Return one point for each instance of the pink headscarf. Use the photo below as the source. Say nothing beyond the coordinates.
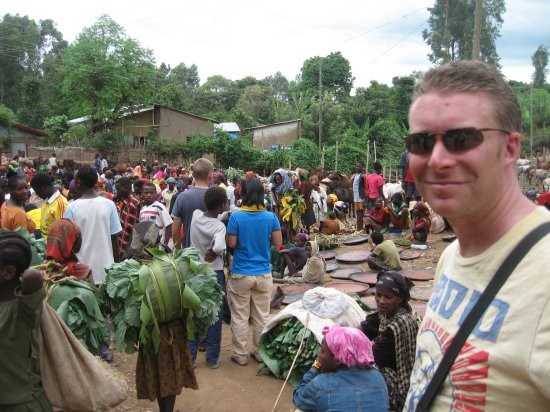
(349, 346)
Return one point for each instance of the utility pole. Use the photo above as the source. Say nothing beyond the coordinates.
(320, 101)
(476, 45)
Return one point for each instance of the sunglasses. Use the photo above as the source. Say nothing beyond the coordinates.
(455, 140)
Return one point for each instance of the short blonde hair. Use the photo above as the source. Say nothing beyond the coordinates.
(202, 168)
(475, 77)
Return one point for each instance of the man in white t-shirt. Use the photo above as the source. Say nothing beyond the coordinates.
(464, 142)
(153, 211)
(99, 224)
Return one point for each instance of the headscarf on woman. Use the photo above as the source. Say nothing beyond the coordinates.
(404, 329)
(62, 238)
(396, 284)
(349, 346)
(285, 184)
(315, 267)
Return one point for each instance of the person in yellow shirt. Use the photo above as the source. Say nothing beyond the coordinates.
(54, 205)
(35, 214)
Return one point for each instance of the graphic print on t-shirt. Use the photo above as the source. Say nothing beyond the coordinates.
(469, 373)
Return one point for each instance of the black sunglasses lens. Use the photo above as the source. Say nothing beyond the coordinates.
(420, 143)
(457, 140)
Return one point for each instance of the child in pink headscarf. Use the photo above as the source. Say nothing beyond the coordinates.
(342, 377)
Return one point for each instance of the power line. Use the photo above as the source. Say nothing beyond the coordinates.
(400, 41)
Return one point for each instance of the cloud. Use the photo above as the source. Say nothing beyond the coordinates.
(237, 38)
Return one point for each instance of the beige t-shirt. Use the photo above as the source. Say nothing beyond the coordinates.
(505, 363)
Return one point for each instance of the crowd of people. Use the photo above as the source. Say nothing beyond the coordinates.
(460, 159)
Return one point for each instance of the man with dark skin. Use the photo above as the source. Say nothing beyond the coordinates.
(55, 204)
(128, 207)
(360, 192)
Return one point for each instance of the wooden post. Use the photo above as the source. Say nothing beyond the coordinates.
(336, 160)
(323, 158)
(368, 154)
(390, 169)
(375, 151)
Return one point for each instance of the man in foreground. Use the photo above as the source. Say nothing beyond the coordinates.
(463, 146)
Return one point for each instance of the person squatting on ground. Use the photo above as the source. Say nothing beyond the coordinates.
(343, 377)
(208, 236)
(250, 231)
(294, 258)
(315, 267)
(398, 213)
(421, 222)
(376, 218)
(464, 143)
(385, 255)
(21, 301)
(393, 332)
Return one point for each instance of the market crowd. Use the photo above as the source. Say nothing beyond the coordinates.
(90, 217)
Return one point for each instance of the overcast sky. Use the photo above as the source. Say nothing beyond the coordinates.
(238, 38)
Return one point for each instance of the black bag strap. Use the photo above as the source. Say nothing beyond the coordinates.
(503, 272)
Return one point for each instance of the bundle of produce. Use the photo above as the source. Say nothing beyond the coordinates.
(326, 241)
(38, 247)
(231, 173)
(361, 304)
(278, 348)
(293, 207)
(75, 302)
(163, 289)
(121, 299)
(283, 332)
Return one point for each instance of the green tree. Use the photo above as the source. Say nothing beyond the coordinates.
(217, 94)
(348, 155)
(451, 29)
(335, 74)
(279, 86)
(403, 87)
(57, 128)
(175, 87)
(540, 62)
(106, 73)
(256, 102)
(305, 153)
(373, 103)
(7, 119)
(24, 50)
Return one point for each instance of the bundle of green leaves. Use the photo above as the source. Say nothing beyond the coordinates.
(120, 298)
(38, 247)
(279, 345)
(140, 296)
(75, 302)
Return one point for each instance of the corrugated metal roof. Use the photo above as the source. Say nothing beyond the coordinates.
(273, 124)
(229, 127)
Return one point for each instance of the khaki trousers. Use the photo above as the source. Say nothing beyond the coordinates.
(248, 297)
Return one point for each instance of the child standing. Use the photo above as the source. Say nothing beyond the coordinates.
(153, 211)
(208, 236)
(21, 297)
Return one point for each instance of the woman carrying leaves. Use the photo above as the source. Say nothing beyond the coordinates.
(73, 298)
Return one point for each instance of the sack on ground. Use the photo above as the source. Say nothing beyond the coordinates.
(74, 379)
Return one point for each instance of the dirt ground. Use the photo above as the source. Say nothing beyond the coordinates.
(237, 387)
